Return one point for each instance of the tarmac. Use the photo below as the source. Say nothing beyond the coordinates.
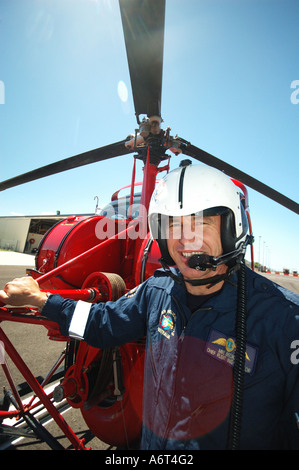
(11, 258)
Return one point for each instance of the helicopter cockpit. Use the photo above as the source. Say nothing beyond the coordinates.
(121, 209)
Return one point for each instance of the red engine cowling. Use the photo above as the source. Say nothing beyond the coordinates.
(68, 239)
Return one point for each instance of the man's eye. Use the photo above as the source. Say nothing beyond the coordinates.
(174, 225)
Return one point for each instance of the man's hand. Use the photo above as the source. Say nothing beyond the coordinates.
(23, 291)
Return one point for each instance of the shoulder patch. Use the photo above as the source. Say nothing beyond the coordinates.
(132, 292)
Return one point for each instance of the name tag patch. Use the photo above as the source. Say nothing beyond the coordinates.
(223, 348)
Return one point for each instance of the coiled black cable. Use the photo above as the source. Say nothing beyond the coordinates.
(239, 365)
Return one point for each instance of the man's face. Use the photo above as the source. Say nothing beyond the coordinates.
(193, 235)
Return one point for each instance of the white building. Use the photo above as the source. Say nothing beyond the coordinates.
(24, 233)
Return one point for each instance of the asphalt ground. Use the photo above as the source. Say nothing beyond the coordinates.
(39, 353)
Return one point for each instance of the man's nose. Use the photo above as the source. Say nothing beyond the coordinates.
(187, 236)
(191, 235)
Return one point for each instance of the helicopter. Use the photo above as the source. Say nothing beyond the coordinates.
(80, 258)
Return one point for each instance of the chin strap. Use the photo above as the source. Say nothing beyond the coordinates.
(211, 281)
(214, 279)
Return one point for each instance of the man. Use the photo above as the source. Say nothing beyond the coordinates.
(207, 384)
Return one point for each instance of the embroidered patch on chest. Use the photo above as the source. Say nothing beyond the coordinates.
(223, 348)
(167, 323)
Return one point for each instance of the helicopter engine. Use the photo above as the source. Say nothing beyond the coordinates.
(106, 385)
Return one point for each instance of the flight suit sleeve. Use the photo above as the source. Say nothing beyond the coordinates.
(101, 325)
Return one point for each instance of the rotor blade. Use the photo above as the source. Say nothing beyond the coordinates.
(143, 26)
(233, 172)
(92, 156)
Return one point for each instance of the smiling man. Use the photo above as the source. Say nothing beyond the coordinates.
(198, 218)
(219, 337)
(191, 236)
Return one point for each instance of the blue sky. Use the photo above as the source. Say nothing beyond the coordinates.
(229, 68)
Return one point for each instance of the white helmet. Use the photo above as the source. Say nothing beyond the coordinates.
(193, 189)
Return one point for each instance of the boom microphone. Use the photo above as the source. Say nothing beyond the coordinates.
(203, 261)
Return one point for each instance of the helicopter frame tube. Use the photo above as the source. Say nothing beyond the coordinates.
(40, 396)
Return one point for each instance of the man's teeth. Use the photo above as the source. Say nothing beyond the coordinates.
(191, 253)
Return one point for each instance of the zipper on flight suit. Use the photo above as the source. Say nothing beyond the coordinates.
(183, 316)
